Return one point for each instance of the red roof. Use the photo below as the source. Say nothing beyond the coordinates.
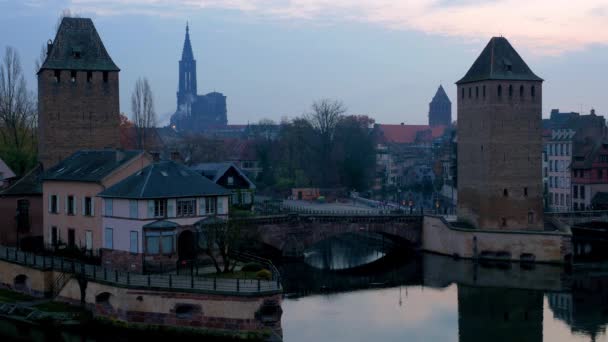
(407, 134)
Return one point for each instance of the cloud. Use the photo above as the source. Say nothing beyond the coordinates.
(542, 26)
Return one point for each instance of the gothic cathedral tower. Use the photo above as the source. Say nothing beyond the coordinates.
(440, 109)
(78, 104)
(499, 142)
(186, 94)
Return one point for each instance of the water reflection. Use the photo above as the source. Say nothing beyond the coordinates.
(435, 298)
(347, 251)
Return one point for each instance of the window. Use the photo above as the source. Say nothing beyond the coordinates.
(582, 191)
(105, 77)
(462, 93)
(469, 92)
(89, 76)
(525, 192)
(600, 175)
(160, 242)
(568, 200)
(57, 76)
(160, 208)
(476, 92)
(109, 238)
(88, 240)
(499, 91)
(521, 91)
(246, 198)
(503, 221)
(561, 199)
(210, 204)
(230, 180)
(505, 193)
(23, 215)
(575, 191)
(70, 205)
(54, 237)
(133, 208)
(88, 206)
(532, 91)
(530, 217)
(510, 90)
(71, 238)
(109, 207)
(185, 207)
(73, 76)
(484, 91)
(133, 243)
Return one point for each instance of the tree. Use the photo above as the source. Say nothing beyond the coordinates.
(142, 106)
(17, 115)
(220, 238)
(354, 152)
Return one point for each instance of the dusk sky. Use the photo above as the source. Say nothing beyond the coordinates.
(383, 58)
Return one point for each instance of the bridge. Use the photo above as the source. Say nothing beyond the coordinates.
(292, 234)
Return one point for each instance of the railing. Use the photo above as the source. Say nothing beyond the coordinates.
(276, 275)
(245, 287)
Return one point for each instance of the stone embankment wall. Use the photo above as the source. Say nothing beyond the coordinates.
(244, 313)
(440, 237)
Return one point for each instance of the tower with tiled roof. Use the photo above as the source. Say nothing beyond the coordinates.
(440, 109)
(500, 142)
(78, 99)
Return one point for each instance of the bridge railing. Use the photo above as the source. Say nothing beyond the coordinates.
(192, 283)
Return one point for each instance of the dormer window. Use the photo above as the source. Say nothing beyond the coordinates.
(76, 53)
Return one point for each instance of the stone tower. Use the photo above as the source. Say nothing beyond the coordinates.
(186, 93)
(440, 109)
(78, 104)
(499, 142)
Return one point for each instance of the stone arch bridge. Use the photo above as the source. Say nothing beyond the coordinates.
(293, 234)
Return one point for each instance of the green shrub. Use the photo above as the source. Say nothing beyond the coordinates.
(264, 275)
(252, 267)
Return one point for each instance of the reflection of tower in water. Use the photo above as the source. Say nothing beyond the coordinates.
(497, 314)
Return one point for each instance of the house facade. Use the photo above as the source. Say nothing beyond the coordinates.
(589, 175)
(21, 208)
(231, 177)
(152, 218)
(72, 215)
(560, 149)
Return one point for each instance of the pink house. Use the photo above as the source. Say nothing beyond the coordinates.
(72, 215)
(152, 217)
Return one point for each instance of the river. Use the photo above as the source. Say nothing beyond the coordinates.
(363, 288)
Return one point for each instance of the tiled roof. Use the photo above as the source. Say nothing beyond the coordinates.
(499, 61)
(407, 134)
(29, 184)
(214, 171)
(441, 96)
(165, 179)
(77, 46)
(89, 165)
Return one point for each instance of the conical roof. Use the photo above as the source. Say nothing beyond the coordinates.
(187, 54)
(440, 95)
(77, 46)
(499, 61)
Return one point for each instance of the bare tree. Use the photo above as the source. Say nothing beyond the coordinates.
(325, 116)
(220, 239)
(142, 105)
(17, 109)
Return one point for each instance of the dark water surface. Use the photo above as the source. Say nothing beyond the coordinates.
(363, 288)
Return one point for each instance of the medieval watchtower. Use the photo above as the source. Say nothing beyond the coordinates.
(78, 104)
(499, 142)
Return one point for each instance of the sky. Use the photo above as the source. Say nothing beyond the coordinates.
(382, 58)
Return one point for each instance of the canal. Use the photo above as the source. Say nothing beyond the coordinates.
(361, 287)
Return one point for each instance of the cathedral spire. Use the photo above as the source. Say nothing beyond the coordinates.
(187, 54)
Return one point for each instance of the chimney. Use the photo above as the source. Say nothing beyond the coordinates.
(176, 157)
(155, 156)
(592, 111)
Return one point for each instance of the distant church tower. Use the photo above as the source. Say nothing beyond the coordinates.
(499, 142)
(186, 93)
(440, 109)
(196, 113)
(78, 104)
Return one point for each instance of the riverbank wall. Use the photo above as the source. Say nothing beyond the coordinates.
(225, 306)
(439, 236)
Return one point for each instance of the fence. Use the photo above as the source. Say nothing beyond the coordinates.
(246, 287)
